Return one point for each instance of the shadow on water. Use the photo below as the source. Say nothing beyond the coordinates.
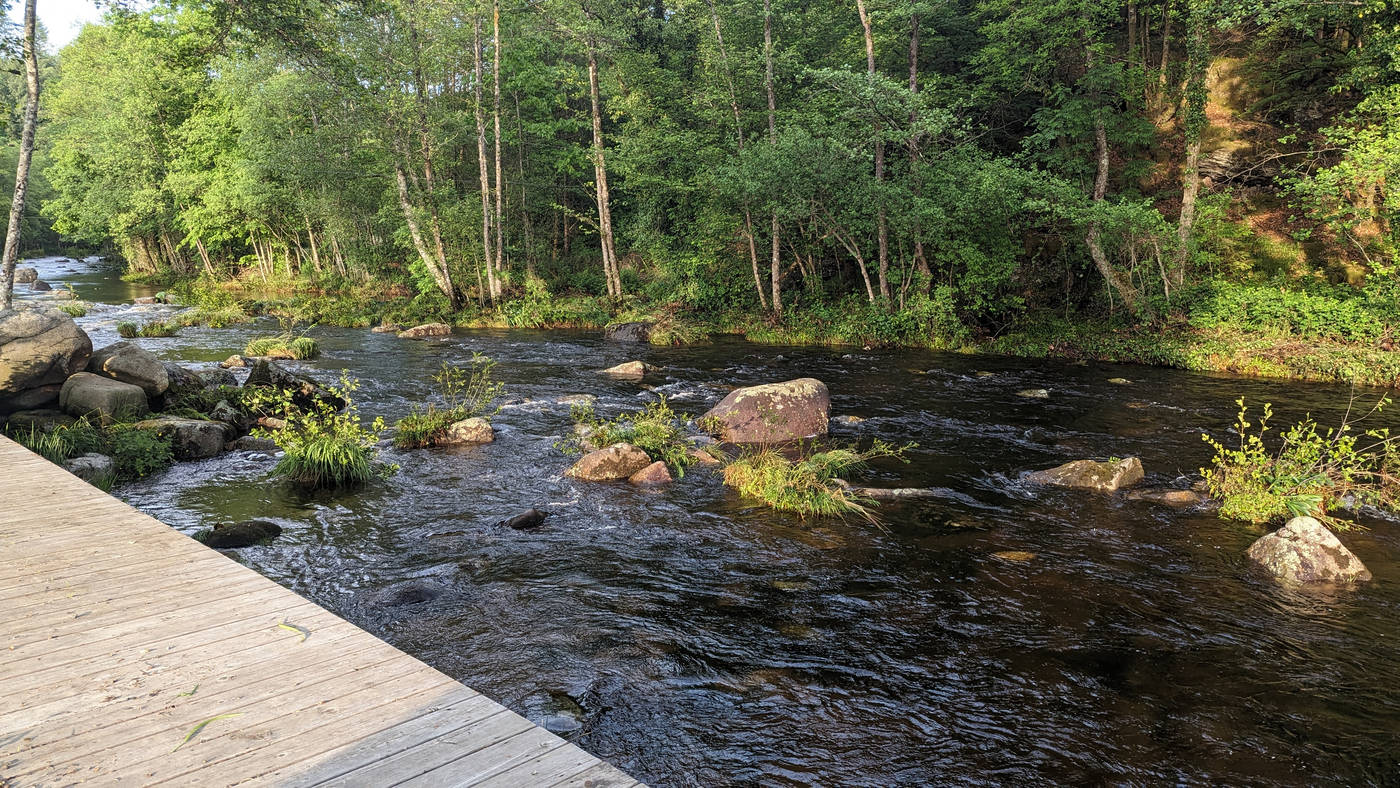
(695, 639)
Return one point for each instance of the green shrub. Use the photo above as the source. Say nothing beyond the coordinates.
(655, 429)
(284, 346)
(1311, 472)
(324, 448)
(808, 485)
(137, 453)
(159, 329)
(464, 393)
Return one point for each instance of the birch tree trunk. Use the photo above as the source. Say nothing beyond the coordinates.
(496, 113)
(491, 285)
(26, 152)
(600, 175)
(775, 273)
(882, 222)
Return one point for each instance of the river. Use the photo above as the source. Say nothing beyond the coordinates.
(692, 637)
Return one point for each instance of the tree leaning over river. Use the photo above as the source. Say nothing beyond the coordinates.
(26, 152)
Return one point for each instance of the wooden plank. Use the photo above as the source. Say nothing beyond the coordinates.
(111, 619)
(603, 775)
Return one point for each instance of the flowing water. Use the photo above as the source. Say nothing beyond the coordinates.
(694, 638)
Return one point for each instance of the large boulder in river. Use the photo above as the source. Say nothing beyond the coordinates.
(40, 286)
(39, 348)
(183, 382)
(426, 330)
(305, 391)
(131, 364)
(467, 431)
(103, 399)
(772, 413)
(25, 275)
(1305, 552)
(191, 439)
(639, 331)
(245, 534)
(618, 461)
(629, 370)
(1092, 475)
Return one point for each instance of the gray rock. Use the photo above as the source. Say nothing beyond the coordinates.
(639, 331)
(772, 413)
(41, 420)
(305, 391)
(387, 328)
(40, 286)
(473, 430)
(191, 439)
(409, 592)
(234, 362)
(654, 474)
(227, 413)
(217, 377)
(128, 363)
(426, 331)
(104, 399)
(92, 468)
(629, 370)
(616, 462)
(1091, 475)
(526, 520)
(183, 382)
(1177, 499)
(249, 443)
(1034, 393)
(24, 275)
(1305, 552)
(40, 347)
(244, 534)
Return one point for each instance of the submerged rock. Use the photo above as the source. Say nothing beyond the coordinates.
(629, 370)
(92, 467)
(1092, 475)
(40, 286)
(639, 331)
(426, 331)
(1120, 381)
(1015, 556)
(894, 493)
(772, 413)
(1180, 499)
(234, 362)
(467, 431)
(409, 592)
(985, 374)
(847, 419)
(244, 534)
(128, 363)
(217, 377)
(703, 457)
(40, 347)
(1305, 552)
(526, 520)
(86, 394)
(38, 420)
(387, 328)
(1034, 393)
(611, 464)
(250, 443)
(653, 474)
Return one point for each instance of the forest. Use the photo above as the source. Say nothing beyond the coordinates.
(1193, 183)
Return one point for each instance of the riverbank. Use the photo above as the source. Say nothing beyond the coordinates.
(1179, 341)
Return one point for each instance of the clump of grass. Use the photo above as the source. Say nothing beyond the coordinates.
(134, 452)
(674, 331)
(128, 330)
(73, 308)
(465, 394)
(809, 484)
(1311, 472)
(283, 346)
(213, 316)
(655, 429)
(159, 329)
(324, 447)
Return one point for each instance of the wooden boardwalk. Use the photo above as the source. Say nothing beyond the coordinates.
(120, 638)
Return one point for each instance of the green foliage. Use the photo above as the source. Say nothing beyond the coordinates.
(810, 484)
(213, 317)
(159, 329)
(283, 346)
(1310, 472)
(72, 308)
(1336, 312)
(136, 452)
(655, 429)
(324, 448)
(128, 330)
(464, 394)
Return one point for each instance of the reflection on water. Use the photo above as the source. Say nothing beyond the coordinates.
(694, 638)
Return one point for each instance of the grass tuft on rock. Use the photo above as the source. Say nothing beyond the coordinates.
(283, 346)
(809, 484)
(464, 392)
(655, 429)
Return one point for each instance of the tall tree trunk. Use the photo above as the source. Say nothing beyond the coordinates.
(1166, 49)
(26, 152)
(775, 273)
(491, 284)
(444, 273)
(920, 260)
(415, 233)
(496, 113)
(1194, 123)
(739, 144)
(1094, 239)
(882, 228)
(600, 175)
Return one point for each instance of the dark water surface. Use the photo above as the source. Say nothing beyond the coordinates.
(694, 638)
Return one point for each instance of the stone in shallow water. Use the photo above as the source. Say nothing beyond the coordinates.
(1306, 552)
(1120, 381)
(244, 534)
(1175, 498)
(426, 331)
(526, 520)
(629, 370)
(1015, 556)
(772, 413)
(1034, 393)
(1091, 475)
(611, 464)
(653, 474)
